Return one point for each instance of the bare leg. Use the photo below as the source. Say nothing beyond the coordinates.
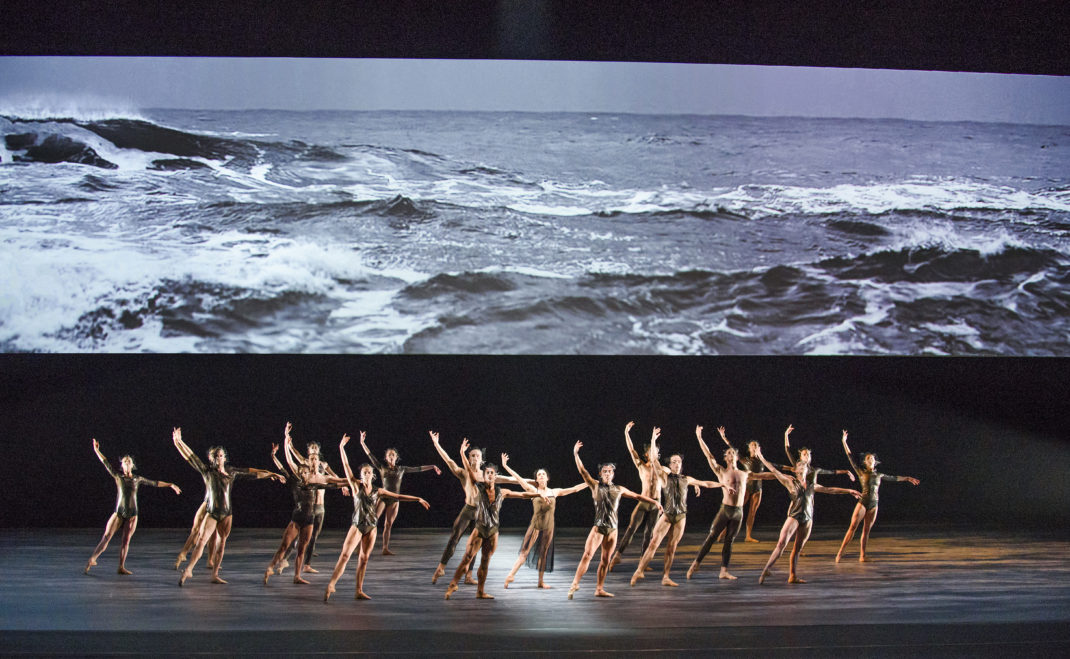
(223, 531)
(109, 530)
(288, 535)
(194, 534)
(543, 556)
(350, 543)
(474, 542)
(489, 545)
(867, 526)
(391, 511)
(594, 538)
(530, 538)
(367, 543)
(752, 511)
(675, 533)
(303, 537)
(608, 544)
(801, 537)
(207, 531)
(213, 549)
(128, 532)
(856, 517)
(786, 533)
(660, 529)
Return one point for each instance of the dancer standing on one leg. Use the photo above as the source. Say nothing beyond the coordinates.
(366, 499)
(603, 534)
(866, 509)
(800, 519)
(643, 513)
(319, 511)
(736, 482)
(673, 520)
(541, 528)
(219, 477)
(391, 474)
(125, 515)
(305, 482)
(484, 536)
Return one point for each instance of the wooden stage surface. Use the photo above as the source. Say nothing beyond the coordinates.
(928, 591)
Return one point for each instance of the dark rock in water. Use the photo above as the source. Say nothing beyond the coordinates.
(130, 320)
(20, 141)
(401, 206)
(57, 148)
(145, 136)
(171, 164)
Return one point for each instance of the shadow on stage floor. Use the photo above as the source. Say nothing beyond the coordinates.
(929, 591)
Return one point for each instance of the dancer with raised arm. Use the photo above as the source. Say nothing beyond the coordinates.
(866, 509)
(391, 474)
(484, 536)
(673, 520)
(305, 481)
(218, 478)
(541, 528)
(319, 511)
(726, 523)
(643, 513)
(603, 533)
(125, 515)
(365, 519)
(800, 519)
(753, 496)
(805, 457)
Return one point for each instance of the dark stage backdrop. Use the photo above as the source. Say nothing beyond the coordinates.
(985, 435)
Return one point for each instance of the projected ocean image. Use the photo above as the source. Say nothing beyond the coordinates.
(548, 233)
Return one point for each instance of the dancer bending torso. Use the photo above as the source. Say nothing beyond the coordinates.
(125, 515)
(540, 533)
(366, 500)
(606, 496)
(674, 519)
(643, 514)
(392, 473)
(869, 479)
(799, 522)
(484, 538)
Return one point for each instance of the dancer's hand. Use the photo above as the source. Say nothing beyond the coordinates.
(721, 430)
(274, 449)
(423, 503)
(464, 445)
(505, 459)
(438, 472)
(96, 444)
(850, 475)
(345, 440)
(176, 434)
(844, 438)
(655, 434)
(912, 481)
(434, 436)
(628, 427)
(176, 489)
(788, 431)
(698, 490)
(577, 447)
(289, 427)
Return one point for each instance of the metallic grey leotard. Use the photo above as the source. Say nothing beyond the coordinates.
(364, 504)
(487, 511)
(674, 497)
(802, 500)
(218, 486)
(126, 495)
(606, 499)
(870, 483)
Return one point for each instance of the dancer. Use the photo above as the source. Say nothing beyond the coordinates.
(305, 482)
(218, 478)
(366, 499)
(319, 511)
(484, 537)
(674, 519)
(799, 523)
(466, 518)
(606, 497)
(541, 527)
(737, 487)
(642, 513)
(753, 496)
(805, 456)
(391, 473)
(125, 515)
(866, 508)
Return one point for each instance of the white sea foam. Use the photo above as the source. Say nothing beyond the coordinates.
(56, 106)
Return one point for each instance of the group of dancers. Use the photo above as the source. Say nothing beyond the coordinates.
(661, 507)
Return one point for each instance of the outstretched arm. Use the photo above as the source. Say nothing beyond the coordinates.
(787, 445)
(847, 450)
(371, 458)
(288, 442)
(528, 487)
(709, 484)
(903, 479)
(383, 492)
(290, 448)
(631, 449)
(345, 465)
(706, 450)
(185, 451)
(457, 471)
(468, 466)
(786, 481)
(579, 465)
(565, 491)
(275, 457)
(103, 460)
(641, 497)
(837, 490)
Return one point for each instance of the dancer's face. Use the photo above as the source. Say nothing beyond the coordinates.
(489, 475)
(475, 456)
(676, 464)
(314, 462)
(366, 475)
(391, 457)
(753, 448)
(542, 478)
(219, 457)
(870, 461)
(607, 474)
(127, 464)
(730, 457)
(804, 455)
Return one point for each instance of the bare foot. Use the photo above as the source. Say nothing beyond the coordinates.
(795, 579)
(267, 573)
(542, 585)
(691, 570)
(439, 571)
(451, 589)
(838, 557)
(572, 590)
(863, 559)
(469, 580)
(648, 568)
(361, 596)
(750, 539)
(90, 564)
(301, 580)
(666, 581)
(309, 568)
(635, 577)
(217, 579)
(123, 570)
(508, 580)
(725, 575)
(387, 552)
(602, 593)
(615, 562)
(484, 596)
(761, 579)
(185, 575)
(282, 566)
(330, 591)
(179, 561)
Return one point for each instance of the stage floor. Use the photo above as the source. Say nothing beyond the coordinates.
(929, 591)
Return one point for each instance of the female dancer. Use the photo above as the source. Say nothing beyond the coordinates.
(800, 519)
(305, 483)
(362, 531)
(485, 534)
(606, 497)
(866, 508)
(391, 474)
(541, 528)
(218, 479)
(125, 514)
(318, 512)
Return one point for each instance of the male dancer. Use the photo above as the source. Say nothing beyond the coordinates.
(729, 517)
(319, 511)
(606, 497)
(674, 518)
(643, 513)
